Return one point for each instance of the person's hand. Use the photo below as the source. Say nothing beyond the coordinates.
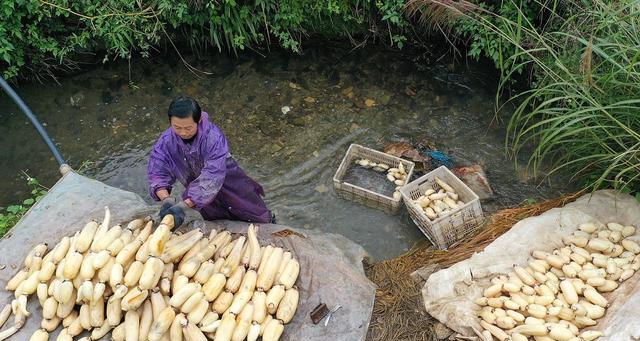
(167, 203)
(177, 211)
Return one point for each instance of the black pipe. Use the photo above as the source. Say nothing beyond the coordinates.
(43, 133)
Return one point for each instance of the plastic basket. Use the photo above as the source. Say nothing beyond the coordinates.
(362, 195)
(445, 231)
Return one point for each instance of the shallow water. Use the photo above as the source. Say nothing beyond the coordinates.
(369, 179)
(100, 117)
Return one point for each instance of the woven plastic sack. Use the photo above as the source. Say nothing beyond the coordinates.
(449, 294)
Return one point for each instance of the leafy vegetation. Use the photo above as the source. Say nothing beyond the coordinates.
(39, 37)
(580, 114)
(11, 214)
(485, 27)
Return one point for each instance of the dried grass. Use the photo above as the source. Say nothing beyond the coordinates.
(398, 312)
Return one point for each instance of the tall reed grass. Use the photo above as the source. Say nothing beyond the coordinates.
(581, 114)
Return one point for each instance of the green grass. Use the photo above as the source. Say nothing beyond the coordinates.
(581, 114)
(10, 215)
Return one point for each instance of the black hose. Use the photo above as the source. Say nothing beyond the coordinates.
(43, 133)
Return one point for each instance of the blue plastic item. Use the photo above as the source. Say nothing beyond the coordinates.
(439, 159)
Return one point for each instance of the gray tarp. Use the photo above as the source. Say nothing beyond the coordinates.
(331, 265)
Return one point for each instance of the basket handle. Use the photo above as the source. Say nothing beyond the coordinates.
(423, 181)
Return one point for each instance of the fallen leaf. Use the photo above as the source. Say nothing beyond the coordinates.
(369, 102)
(293, 85)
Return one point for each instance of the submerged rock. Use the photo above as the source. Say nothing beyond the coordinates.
(369, 102)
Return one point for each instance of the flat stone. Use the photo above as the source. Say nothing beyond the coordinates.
(299, 121)
(322, 188)
(274, 148)
(384, 99)
(348, 90)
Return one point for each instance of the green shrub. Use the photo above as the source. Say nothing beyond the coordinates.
(39, 37)
(10, 215)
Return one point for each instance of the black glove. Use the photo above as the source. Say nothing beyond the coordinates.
(166, 205)
(177, 211)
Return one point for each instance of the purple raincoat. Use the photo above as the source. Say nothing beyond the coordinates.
(213, 180)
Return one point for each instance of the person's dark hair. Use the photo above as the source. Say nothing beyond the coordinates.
(183, 107)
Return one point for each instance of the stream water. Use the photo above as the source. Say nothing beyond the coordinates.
(105, 124)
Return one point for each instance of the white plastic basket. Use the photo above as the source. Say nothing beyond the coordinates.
(362, 195)
(445, 231)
